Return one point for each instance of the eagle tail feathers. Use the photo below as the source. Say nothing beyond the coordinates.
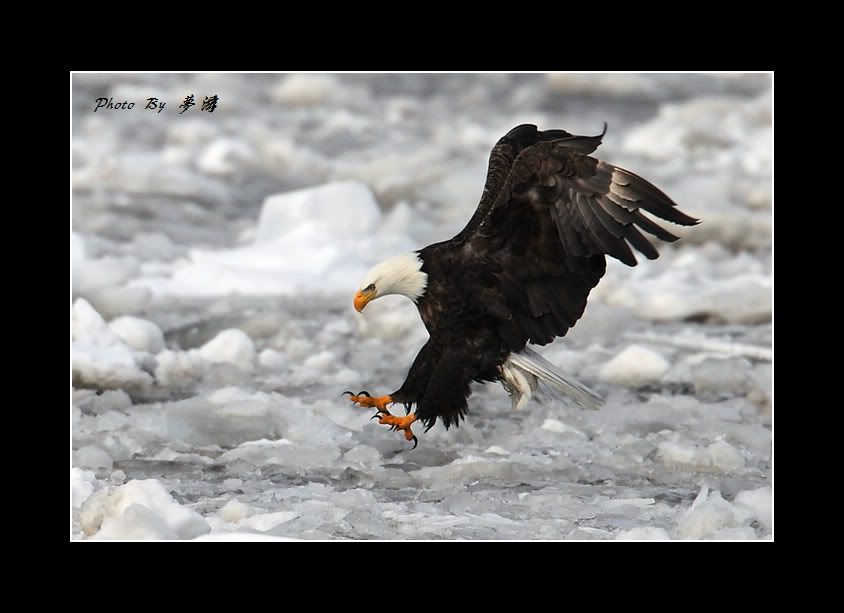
(534, 364)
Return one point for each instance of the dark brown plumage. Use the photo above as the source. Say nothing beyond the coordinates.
(521, 270)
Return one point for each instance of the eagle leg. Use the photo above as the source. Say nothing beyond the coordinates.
(398, 423)
(365, 400)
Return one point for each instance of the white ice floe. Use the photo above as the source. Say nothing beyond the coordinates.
(267, 521)
(92, 274)
(714, 133)
(178, 368)
(699, 342)
(272, 359)
(731, 376)
(139, 510)
(93, 456)
(224, 156)
(552, 425)
(643, 534)
(100, 358)
(231, 346)
(242, 537)
(634, 366)
(82, 483)
(648, 85)
(760, 503)
(679, 452)
(227, 417)
(233, 511)
(709, 282)
(305, 89)
(712, 517)
(135, 172)
(283, 452)
(317, 239)
(364, 455)
(139, 334)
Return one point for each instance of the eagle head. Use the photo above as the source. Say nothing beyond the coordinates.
(399, 275)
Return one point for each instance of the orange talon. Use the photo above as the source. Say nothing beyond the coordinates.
(401, 423)
(365, 400)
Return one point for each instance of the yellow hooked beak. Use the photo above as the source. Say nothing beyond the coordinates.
(362, 298)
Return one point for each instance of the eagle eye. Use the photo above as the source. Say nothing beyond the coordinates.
(370, 288)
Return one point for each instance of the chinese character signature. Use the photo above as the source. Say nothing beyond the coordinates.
(209, 104)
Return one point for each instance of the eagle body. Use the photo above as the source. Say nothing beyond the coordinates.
(521, 270)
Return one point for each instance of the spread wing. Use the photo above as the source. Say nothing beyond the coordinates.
(549, 215)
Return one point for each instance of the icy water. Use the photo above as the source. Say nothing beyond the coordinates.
(215, 257)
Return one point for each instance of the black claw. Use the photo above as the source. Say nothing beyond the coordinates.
(384, 411)
(349, 393)
(364, 393)
(415, 442)
(376, 416)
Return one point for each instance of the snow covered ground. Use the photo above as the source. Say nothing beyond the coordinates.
(215, 256)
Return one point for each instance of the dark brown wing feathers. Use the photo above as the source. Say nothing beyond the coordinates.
(549, 215)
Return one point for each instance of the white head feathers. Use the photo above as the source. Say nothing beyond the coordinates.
(398, 275)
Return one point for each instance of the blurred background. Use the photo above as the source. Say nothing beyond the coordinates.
(214, 260)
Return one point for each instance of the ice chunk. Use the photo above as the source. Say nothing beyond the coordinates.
(621, 85)
(725, 457)
(114, 301)
(363, 454)
(735, 292)
(283, 452)
(139, 334)
(233, 511)
(635, 366)
(497, 450)
(224, 156)
(643, 534)
(109, 400)
(305, 89)
(82, 485)
(743, 533)
(136, 522)
(267, 521)
(321, 361)
(702, 343)
(717, 133)
(143, 172)
(91, 456)
(242, 537)
(358, 215)
(729, 376)
(180, 368)
(90, 275)
(227, 418)
(708, 515)
(680, 452)
(154, 514)
(106, 367)
(304, 242)
(555, 425)
(88, 326)
(272, 359)
(232, 346)
(100, 358)
(760, 503)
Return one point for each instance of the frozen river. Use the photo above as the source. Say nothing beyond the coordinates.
(216, 254)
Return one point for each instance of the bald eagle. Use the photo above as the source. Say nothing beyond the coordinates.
(519, 272)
